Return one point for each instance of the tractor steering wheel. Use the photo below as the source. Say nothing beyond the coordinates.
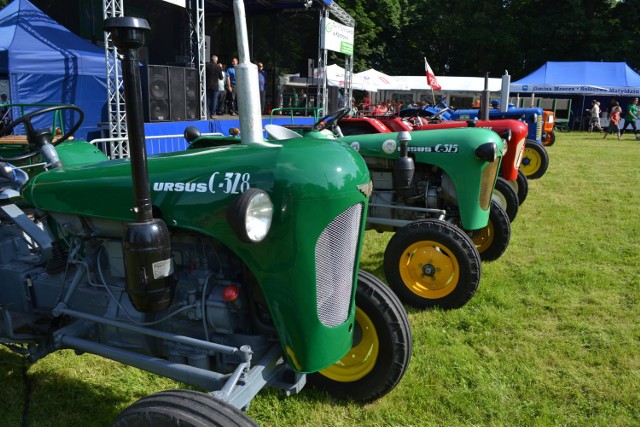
(329, 121)
(37, 137)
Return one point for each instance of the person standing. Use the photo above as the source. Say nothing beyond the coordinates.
(630, 117)
(213, 76)
(594, 121)
(231, 88)
(222, 93)
(614, 121)
(262, 83)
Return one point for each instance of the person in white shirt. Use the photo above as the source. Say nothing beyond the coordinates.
(594, 122)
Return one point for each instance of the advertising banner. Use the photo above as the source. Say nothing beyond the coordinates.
(337, 37)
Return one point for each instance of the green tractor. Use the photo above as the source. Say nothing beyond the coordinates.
(434, 190)
(236, 268)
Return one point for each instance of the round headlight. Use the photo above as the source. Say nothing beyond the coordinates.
(250, 215)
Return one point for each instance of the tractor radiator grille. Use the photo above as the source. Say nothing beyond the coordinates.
(335, 261)
(539, 128)
(488, 182)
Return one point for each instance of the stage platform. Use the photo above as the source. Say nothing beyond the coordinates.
(164, 137)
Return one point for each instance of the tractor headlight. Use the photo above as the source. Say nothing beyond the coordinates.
(487, 152)
(250, 215)
(506, 136)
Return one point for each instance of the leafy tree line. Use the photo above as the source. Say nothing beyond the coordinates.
(458, 38)
(465, 37)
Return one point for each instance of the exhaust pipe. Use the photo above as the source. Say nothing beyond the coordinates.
(146, 242)
(247, 85)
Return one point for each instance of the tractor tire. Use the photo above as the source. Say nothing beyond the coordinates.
(492, 240)
(183, 408)
(521, 185)
(506, 197)
(548, 139)
(431, 263)
(382, 346)
(535, 160)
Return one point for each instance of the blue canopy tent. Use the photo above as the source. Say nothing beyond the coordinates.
(576, 80)
(47, 64)
(581, 78)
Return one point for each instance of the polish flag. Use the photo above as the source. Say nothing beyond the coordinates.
(431, 78)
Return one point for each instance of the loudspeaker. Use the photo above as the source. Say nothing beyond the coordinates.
(171, 93)
(177, 95)
(192, 93)
(157, 93)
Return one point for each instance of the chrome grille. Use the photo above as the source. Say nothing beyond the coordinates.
(539, 125)
(335, 261)
(487, 183)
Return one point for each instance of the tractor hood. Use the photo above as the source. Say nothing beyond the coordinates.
(455, 151)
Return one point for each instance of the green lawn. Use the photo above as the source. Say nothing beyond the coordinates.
(550, 338)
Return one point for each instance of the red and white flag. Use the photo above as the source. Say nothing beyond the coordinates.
(431, 78)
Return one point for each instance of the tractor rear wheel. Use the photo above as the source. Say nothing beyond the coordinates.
(431, 263)
(381, 350)
(506, 197)
(535, 160)
(492, 240)
(184, 408)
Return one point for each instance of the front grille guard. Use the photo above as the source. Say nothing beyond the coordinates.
(487, 183)
(335, 263)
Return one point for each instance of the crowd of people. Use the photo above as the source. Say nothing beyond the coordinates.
(221, 87)
(615, 115)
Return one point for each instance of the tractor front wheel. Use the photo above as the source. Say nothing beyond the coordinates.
(381, 350)
(184, 408)
(521, 185)
(431, 263)
(492, 240)
(535, 160)
(549, 138)
(505, 195)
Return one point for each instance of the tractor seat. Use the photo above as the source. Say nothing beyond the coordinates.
(277, 132)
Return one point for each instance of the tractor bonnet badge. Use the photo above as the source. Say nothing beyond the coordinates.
(389, 146)
(355, 145)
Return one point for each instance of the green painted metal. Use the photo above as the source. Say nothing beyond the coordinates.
(77, 153)
(453, 151)
(310, 183)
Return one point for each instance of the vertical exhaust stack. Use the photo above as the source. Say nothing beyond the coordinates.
(248, 96)
(504, 92)
(484, 109)
(146, 242)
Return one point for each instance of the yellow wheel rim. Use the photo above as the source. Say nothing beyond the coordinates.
(484, 237)
(531, 161)
(429, 269)
(363, 354)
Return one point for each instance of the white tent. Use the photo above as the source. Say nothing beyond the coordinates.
(380, 80)
(335, 77)
(451, 84)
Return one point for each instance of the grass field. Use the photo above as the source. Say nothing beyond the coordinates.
(551, 338)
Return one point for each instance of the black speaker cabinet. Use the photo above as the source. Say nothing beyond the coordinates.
(156, 90)
(192, 95)
(171, 93)
(177, 95)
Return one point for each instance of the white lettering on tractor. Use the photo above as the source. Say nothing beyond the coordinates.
(232, 183)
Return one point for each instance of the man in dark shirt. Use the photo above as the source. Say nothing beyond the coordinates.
(213, 74)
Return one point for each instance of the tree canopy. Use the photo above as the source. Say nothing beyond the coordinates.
(458, 38)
